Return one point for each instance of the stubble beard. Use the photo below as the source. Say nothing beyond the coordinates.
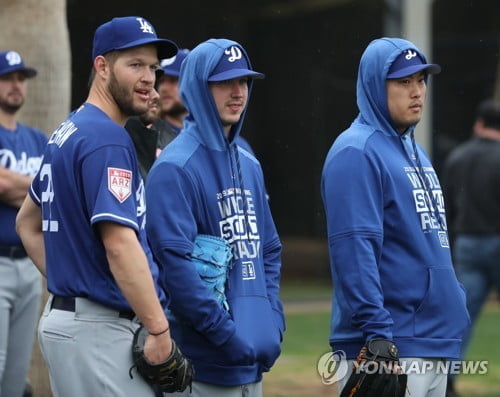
(176, 110)
(404, 124)
(123, 98)
(149, 117)
(10, 107)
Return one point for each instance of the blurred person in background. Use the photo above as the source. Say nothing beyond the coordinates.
(471, 186)
(172, 110)
(149, 133)
(21, 150)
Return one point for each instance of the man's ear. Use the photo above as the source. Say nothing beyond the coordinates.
(102, 67)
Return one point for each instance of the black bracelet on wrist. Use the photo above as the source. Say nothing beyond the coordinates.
(159, 333)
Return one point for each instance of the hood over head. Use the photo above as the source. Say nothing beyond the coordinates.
(375, 67)
(197, 71)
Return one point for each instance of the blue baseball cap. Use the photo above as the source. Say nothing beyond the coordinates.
(233, 64)
(172, 66)
(126, 32)
(410, 62)
(11, 61)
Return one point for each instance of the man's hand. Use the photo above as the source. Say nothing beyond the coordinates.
(13, 187)
(172, 375)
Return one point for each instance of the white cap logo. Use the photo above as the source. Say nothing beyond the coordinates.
(145, 26)
(234, 52)
(167, 61)
(13, 58)
(410, 54)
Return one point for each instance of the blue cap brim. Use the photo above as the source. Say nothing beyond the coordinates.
(234, 74)
(166, 48)
(168, 72)
(430, 68)
(28, 72)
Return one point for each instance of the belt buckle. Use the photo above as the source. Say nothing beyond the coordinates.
(12, 252)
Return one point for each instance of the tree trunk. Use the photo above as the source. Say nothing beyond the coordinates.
(37, 29)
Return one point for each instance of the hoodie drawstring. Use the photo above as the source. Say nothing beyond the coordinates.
(242, 187)
(425, 184)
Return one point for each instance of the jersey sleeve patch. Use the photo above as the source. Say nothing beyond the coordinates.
(120, 183)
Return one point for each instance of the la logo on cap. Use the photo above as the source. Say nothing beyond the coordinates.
(145, 26)
(167, 61)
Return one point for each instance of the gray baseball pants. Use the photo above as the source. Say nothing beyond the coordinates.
(20, 297)
(201, 389)
(430, 383)
(89, 352)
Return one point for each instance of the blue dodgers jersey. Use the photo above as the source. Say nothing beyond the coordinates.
(20, 151)
(89, 174)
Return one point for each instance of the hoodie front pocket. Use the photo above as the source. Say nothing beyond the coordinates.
(443, 313)
(256, 323)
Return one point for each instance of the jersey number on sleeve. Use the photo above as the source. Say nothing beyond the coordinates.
(48, 225)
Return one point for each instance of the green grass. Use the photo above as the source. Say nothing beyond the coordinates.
(294, 374)
(485, 346)
(306, 339)
(297, 291)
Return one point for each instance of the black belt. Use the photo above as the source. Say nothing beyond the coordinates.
(68, 304)
(13, 252)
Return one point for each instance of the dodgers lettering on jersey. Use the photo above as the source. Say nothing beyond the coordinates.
(24, 164)
(140, 196)
(21, 151)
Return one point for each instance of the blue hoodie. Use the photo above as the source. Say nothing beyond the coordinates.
(389, 253)
(202, 183)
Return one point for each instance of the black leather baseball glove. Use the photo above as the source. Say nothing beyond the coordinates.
(376, 372)
(175, 374)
